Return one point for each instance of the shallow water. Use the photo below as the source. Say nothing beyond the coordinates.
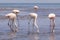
(22, 34)
(42, 21)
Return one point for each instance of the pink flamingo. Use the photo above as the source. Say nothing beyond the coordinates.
(52, 21)
(36, 8)
(33, 17)
(12, 20)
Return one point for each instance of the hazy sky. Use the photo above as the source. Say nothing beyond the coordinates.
(29, 1)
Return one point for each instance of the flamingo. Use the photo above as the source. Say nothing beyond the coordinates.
(12, 20)
(33, 17)
(16, 12)
(36, 8)
(52, 21)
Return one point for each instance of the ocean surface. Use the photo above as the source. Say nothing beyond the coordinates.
(42, 21)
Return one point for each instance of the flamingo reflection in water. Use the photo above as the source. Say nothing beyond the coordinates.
(52, 21)
(52, 37)
(34, 37)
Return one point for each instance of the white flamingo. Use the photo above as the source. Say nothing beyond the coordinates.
(36, 8)
(12, 20)
(33, 17)
(16, 12)
(52, 21)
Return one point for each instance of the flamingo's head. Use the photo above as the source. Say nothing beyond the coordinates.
(15, 11)
(36, 7)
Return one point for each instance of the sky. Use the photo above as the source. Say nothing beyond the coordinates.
(29, 1)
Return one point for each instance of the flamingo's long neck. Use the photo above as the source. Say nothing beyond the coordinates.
(34, 21)
(35, 10)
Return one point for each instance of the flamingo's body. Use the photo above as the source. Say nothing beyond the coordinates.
(52, 21)
(12, 20)
(33, 16)
(11, 16)
(51, 16)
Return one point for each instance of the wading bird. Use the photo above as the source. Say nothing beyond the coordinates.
(33, 17)
(16, 12)
(12, 20)
(52, 21)
(36, 8)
